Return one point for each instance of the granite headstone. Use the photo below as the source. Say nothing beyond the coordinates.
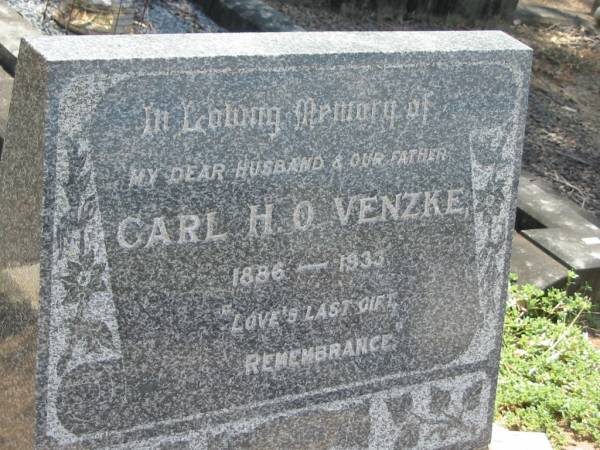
(266, 241)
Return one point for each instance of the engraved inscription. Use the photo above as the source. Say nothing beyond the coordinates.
(287, 316)
(298, 357)
(156, 120)
(134, 232)
(230, 116)
(249, 275)
(309, 113)
(306, 114)
(250, 169)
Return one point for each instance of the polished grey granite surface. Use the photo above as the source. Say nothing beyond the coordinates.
(266, 241)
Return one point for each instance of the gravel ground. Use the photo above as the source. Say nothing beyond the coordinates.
(562, 142)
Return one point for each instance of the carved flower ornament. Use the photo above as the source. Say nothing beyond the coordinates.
(83, 278)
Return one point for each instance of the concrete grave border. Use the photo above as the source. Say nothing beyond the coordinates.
(568, 236)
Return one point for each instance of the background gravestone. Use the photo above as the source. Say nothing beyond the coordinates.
(266, 241)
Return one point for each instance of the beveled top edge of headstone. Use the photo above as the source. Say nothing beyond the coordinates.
(206, 45)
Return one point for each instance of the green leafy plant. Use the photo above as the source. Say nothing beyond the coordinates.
(550, 373)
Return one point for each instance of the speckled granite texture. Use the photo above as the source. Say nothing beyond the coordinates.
(266, 241)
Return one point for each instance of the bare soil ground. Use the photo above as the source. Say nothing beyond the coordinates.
(562, 141)
(563, 133)
(576, 6)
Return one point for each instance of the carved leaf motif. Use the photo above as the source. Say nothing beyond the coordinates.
(84, 180)
(62, 363)
(83, 276)
(441, 431)
(400, 407)
(72, 194)
(87, 210)
(99, 337)
(95, 334)
(72, 191)
(64, 229)
(69, 220)
(61, 239)
(408, 437)
(440, 400)
(471, 396)
(73, 297)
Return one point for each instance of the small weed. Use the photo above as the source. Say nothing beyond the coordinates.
(550, 373)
